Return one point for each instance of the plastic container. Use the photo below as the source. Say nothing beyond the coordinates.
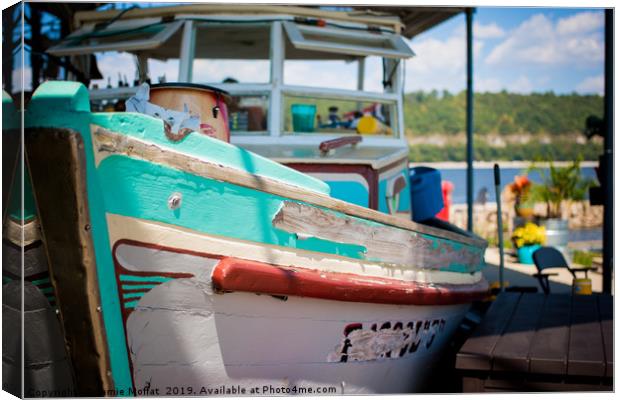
(303, 117)
(426, 194)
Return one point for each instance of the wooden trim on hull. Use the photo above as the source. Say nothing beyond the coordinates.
(233, 274)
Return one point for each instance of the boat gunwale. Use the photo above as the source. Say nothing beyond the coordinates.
(119, 143)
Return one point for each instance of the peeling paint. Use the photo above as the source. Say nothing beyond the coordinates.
(390, 341)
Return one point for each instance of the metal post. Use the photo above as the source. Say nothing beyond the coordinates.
(470, 122)
(608, 159)
(500, 225)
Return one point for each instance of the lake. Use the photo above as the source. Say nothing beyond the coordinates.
(483, 178)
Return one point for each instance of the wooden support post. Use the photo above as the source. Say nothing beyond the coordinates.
(186, 58)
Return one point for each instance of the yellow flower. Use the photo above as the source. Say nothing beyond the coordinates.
(529, 234)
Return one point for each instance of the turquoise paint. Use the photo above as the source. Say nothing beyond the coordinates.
(349, 191)
(131, 304)
(136, 278)
(404, 201)
(137, 188)
(47, 290)
(133, 295)
(198, 145)
(131, 287)
(66, 105)
(42, 281)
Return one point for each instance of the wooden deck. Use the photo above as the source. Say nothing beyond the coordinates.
(532, 342)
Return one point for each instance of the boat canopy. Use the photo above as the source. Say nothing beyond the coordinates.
(161, 38)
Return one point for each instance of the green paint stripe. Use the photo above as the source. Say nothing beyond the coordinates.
(41, 281)
(134, 278)
(133, 287)
(6, 279)
(47, 290)
(131, 304)
(137, 295)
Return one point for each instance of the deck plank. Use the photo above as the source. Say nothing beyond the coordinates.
(585, 352)
(549, 350)
(513, 347)
(477, 352)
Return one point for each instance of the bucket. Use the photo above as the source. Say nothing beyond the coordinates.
(207, 102)
(557, 234)
(303, 117)
(426, 195)
(582, 286)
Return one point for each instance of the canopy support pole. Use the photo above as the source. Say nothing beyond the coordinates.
(470, 122)
(608, 159)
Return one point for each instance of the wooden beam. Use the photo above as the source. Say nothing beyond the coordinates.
(96, 16)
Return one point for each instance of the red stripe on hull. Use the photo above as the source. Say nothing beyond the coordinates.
(233, 274)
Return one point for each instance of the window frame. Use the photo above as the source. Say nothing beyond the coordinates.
(295, 33)
(64, 48)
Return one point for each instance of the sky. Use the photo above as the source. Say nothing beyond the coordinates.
(520, 50)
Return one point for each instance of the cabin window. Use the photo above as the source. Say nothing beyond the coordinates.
(247, 114)
(324, 115)
(132, 35)
(231, 53)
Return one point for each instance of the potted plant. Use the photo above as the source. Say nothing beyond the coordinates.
(559, 188)
(527, 240)
(520, 192)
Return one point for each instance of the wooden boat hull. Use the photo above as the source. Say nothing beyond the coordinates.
(195, 264)
(212, 338)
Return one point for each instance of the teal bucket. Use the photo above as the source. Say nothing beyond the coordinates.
(303, 117)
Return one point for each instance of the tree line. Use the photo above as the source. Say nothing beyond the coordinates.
(559, 119)
(500, 113)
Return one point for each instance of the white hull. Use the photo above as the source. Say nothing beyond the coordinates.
(183, 335)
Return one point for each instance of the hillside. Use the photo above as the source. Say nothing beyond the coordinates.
(507, 126)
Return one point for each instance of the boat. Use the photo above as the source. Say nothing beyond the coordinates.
(283, 262)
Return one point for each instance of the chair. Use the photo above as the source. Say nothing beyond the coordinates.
(550, 257)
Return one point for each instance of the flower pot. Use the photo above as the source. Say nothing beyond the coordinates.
(525, 253)
(524, 211)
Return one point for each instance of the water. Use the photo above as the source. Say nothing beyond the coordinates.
(483, 178)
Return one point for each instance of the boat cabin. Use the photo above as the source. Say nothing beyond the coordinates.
(297, 76)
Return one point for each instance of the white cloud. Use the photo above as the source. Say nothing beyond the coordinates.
(521, 85)
(246, 71)
(592, 84)
(490, 31)
(581, 23)
(439, 64)
(487, 85)
(111, 64)
(575, 41)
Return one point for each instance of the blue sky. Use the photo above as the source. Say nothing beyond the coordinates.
(520, 50)
(516, 49)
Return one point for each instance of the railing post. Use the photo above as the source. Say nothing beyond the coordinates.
(470, 122)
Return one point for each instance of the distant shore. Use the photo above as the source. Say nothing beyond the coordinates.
(502, 164)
